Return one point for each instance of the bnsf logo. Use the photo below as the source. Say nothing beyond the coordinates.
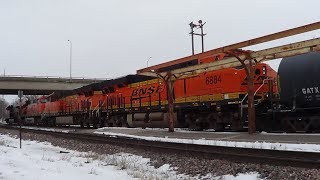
(146, 90)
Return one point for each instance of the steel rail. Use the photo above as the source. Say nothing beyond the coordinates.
(261, 156)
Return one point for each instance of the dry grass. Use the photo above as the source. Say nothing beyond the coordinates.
(66, 158)
(91, 155)
(47, 158)
(132, 164)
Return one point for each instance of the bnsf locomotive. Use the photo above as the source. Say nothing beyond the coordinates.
(210, 100)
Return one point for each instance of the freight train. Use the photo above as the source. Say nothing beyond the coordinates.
(285, 101)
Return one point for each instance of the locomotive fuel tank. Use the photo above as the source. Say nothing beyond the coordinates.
(299, 80)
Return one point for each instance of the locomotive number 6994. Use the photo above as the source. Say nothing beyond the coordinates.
(213, 80)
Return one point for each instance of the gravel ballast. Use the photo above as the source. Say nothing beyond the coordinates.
(190, 164)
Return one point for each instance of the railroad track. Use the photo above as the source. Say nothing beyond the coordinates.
(261, 156)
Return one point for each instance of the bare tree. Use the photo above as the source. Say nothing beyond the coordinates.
(31, 97)
(3, 111)
(25, 99)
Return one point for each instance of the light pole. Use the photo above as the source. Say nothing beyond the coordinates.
(192, 26)
(3, 106)
(70, 58)
(148, 61)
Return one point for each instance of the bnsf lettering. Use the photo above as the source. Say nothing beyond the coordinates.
(213, 80)
(147, 90)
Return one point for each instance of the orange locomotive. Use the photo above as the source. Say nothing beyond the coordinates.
(210, 100)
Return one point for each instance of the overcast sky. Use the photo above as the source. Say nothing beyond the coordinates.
(116, 37)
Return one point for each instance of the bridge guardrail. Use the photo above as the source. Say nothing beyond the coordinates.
(50, 78)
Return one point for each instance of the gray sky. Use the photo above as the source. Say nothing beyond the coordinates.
(115, 37)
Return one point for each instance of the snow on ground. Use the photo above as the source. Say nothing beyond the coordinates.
(38, 160)
(167, 129)
(49, 129)
(44, 161)
(255, 145)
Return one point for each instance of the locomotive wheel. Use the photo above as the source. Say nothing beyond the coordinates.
(212, 122)
(116, 121)
(119, 121)
(88, 125)
(95, 125)
(81, 124)
(125, 124)
(102, 122)
(192, 121)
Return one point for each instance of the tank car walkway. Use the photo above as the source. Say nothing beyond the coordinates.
(294, 138)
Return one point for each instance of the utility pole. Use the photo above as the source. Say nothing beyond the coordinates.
(70, 59)
(192, 26)
(3, 108)
(202, 35)
(192, 33)
(20, 94)
(148, 61)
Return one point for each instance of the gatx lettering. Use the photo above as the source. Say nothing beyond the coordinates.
(311, 90)
(146, 90)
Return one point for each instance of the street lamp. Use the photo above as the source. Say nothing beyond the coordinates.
(148, 61)
(70, 58)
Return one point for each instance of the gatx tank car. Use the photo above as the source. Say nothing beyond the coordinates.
(298, 105)
(209, 100)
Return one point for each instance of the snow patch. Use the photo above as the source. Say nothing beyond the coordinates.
(254, 145)
(38, 160)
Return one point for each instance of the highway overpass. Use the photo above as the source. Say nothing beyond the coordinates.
(36, 85)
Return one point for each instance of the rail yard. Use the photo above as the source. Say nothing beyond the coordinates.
(222, 113)
(211, 107)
